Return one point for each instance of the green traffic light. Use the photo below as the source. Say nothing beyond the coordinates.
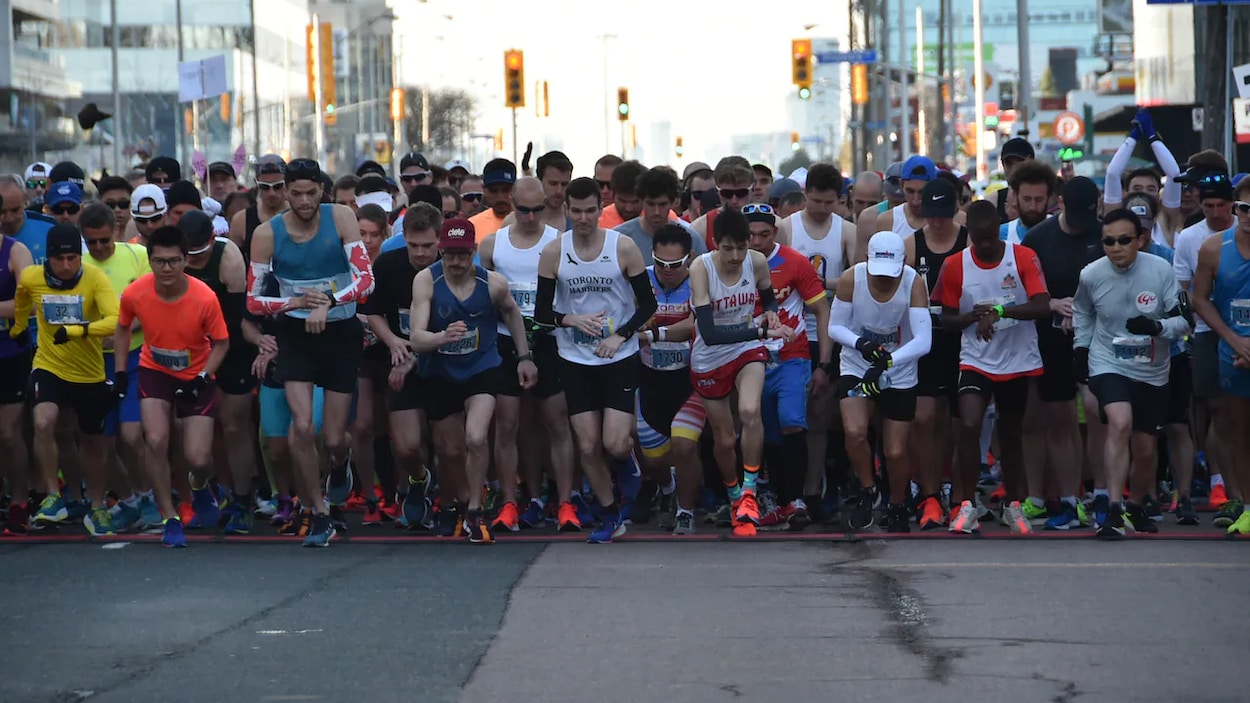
(805, 93)
(623, 108)
(330, 109)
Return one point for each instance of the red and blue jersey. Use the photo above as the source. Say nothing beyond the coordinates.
(796, 285)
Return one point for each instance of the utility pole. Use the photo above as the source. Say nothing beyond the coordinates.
(1213, 76)
(185, 155)
(319, 130)
(1024, 84)
(939, 125)
(904, 100)
(978, 80)
(117, 93)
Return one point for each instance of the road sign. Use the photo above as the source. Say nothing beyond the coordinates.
(1241, 80)
(853, 56)
(1069, 128)
(1241, 120)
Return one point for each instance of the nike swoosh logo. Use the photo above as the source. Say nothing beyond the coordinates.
(475, 314)
(938, 197)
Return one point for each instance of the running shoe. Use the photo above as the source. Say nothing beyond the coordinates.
(507, 520)
(1152, 508)
(172, 534)
(798, 519)
(339, 485)
(1082, 514)
(899, 519)
(611, 528)
(125, 516)
(668, 511)
(266, 508)
(1013, 516)
(355, 502)
(747, 509)
(321, 532)
(149, 515)
(684, 523)
(722, 516)
(629, 479)
(1112, 524)
(566, 519)
(965, 520)
(535, 516)
(862, 514)
(52, 510)
(1218, 497)
(475, 527)
(77, 509)
(206, 508)
(1185, 513)
(931, 514)
(238, 520)
(17, 522)
(449, 522)
(299, 525)
(99, 522)
(286, 507)
(984, 514)
(1229, 513)
(999, 493)
(416, 506)
(1242, 525)
(1102, 508)
(1140, 519)
(1065, 519)
(585, 514)
(1036, 515)
(372, 513)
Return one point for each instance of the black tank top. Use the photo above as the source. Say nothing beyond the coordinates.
(252, 221)
(210, 275)
(929, 262)
(1002, 207)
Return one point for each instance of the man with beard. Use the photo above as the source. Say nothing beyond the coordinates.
(1034, 184)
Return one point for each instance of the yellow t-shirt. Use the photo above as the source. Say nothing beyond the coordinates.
(127, 264)
(92, 301)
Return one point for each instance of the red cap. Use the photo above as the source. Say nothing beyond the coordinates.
(457, 233)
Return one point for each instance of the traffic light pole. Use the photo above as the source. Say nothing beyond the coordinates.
(319, 125)
(514, 142)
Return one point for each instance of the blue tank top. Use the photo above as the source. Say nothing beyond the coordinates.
(477, 351)
(317, 264)
(34, 234)
(8, 289)
(1231, 292)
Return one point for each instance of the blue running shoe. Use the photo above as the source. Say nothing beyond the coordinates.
(612, 528)
(338, 491)
(321, 533)
(77, 509)
(125, 517)
(206, 508)
(52, 510)
(172, 535)
(449, 522)
(585, 514)
(535, 516)
(1102, 506)
(416, 505)
(99, 523)
(149, 515)
(1065, 519)
(239, 520)
(629, 479)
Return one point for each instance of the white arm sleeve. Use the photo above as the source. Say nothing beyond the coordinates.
(921, 337)
(1113, 189)
(1171, 195)
(839, 319)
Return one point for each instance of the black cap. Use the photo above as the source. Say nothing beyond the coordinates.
(710, 200)
(166, 165)
(370, 166)
(303, 170)
(182, 193)
(223, 168)
(63, 239)
(413, 158)
(939, 199)
(67, 171)
(270, 163)
(498, 171)
(1080, 203)
(1017, 148)
(427, 194)
(197, 227)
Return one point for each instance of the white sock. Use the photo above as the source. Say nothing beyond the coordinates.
(1102, 492)
(1217, 480)
(1070, 500)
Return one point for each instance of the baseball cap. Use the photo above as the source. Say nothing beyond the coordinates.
(939, 199)
(67, 171)
(799, 175)
(458, 164)
(1080, 203)
(499, 171)
(63, 192)
(890, 187)
(1236, 179)
(381, 198)
(370, 166)
(151, 194)
(63, 239)
(197, 227)
(166, 165)
(783, 187)
(693, 168)
(39, 169)
(918, 168)
(182, 193)
(413, 158)
(270, 163)
(1211, 183)
(303, 170)
(426, 194)
(1016, 148)
(223, 168)
(886, 254)
(457, 233)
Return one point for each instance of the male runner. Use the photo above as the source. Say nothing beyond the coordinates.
(905, 218)
(729, 354)
(498, 177)
(315, 252)
(1222, 298)
(604, 168)
(986, 293)
(626, 205)
(732, 178)
(1125, 310)
(514, 252)
(1034, 185)
(184, 343)
(1146, 180)
(881, 318)
(15, 360)
(1015, 152)
(597, 280)
(271, 199)
(75, 307)
(659, 191)
(147, 213)
(456, 309)
(554, 171)
(29, 229)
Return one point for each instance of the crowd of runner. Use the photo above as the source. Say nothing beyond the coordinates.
(473, 354)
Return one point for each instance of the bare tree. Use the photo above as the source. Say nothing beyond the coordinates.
(451, 113)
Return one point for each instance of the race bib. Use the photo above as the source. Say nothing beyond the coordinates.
(526, 296)
(731, 320)
(405, 314)
(1006, 301)
(63, 309)
(172, 359)
(325, 286)
(580, 337)
(1134, 348)
(886, 337)
(1239, 313)
(670, 356)
(465, 345)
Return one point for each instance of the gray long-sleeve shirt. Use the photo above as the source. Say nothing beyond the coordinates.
(1107, 296)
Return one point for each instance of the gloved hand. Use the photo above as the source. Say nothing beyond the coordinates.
(61, 335)
(871, 385)
(525, 160)
(191, 390)
(1143, 325)
(1145, 124)
(121, 385)
(1080, 364)
(1135, 133)
(871, 351)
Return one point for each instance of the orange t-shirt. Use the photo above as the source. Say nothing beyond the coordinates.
(177, 334)
(485, 223)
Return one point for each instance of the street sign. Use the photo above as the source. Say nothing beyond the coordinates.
(1241, 80)
(853, 56)
(874, 125)
(1241, 120)
(1069, 128)
(1196, 117)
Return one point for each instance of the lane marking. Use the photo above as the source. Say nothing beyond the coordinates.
(115, 545)
(1057, 565)
(288, 632)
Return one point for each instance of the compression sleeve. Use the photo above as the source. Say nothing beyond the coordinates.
(233, 308)
(839, 324)
(544, 304)
(1113, 193)
(768, 300)
(362, 273)
(713, 335)
(257, 303)
(1171, 195)
(921, 337)
(646, 306)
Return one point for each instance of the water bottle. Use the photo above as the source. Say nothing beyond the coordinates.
(858, 390)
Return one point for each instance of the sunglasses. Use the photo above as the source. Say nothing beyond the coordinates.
(414, 177)
(1242, 206)
(66, 210)
(1121, 241)
(661, 263)
(118, 204)
(99, 242)
(734, 193)
(471, 197)
(304, 164)
(149, 218)
(604, 185)
(266, 187)
(167, 263)
(753, 208)
(522, 210)
(163, 181)
(34, 183)
(450, 215)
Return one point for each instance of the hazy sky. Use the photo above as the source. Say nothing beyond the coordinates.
(709, 71)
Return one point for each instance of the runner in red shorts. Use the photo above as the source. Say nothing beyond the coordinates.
(729, 353)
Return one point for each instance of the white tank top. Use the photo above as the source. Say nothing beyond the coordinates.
(520, 267)
(825, 255)
(901, 226)
(733, 306)
(587, 287)
(1157, 235)
(887, 324)
(1014, 346)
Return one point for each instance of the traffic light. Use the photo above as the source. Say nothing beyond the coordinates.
(859, 84)
(681, 147)
(514, 78)
(805, 93)
(794, 141)
(398, 107)
(801, 63)
(622, 104)
(321, 63)
(991, 115)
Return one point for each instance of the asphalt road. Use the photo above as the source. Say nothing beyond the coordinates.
(1052, 621)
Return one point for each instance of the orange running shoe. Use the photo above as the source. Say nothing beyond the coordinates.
(931, 517)
(744, 529)
(373, 514)
(507, 518)
(999, 493)
(185, 512)
(355, 503)
(746, 509)
(1218, 497)
(566, 519)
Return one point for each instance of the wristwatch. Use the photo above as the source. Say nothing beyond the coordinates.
(827, 367)
(333, 301)
(528, 356)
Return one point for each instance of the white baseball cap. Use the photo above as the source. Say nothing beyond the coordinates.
(143, 194)
(38, 169)
(886, 254)
(458, 163)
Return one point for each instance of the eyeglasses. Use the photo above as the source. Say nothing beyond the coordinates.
(266, 187)
(35, 183)
(167, 263)
(66, 210)
(414, 177)
(118, 204)
(1121, 241)
(661, 263)
(752, 208)
(734, 193)
(604, 185)
(1242, 206)
(99, 242)
(522, 210)
(472, 197)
